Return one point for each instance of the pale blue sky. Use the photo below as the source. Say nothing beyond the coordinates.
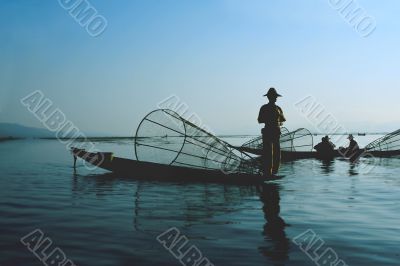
(218, 56)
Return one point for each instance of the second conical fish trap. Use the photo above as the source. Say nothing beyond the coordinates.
(257, 143)
(165, 137)
(389, 142)
(297, 141)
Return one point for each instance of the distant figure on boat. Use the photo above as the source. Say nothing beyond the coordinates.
(353, 144)
(352, 150)
(325, 148)
(272, 116)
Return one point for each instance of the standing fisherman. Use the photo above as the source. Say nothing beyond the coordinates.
(272, 116)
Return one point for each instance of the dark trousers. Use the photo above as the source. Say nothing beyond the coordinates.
(271, 150)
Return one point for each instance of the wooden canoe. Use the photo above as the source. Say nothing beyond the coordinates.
(154, 171)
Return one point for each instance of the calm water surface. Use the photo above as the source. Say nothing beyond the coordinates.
(100, 219)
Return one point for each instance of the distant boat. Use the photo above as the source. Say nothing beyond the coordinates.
(362, 134)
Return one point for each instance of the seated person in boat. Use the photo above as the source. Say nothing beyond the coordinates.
(352, 150)
(325, 147)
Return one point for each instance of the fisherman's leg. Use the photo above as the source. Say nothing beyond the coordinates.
(276, 156)
(268, 158)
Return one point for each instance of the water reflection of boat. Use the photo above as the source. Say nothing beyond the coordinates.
(158, 204)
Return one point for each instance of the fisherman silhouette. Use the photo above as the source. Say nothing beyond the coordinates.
(352, 151)
(325, 149)
(353, 146)
(272, 116)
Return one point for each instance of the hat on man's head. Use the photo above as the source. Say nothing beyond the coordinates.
(272, 92)
(350, 136)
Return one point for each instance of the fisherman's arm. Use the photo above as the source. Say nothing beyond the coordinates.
(261, 116)
(281, 116)
(333, 145)
(318, 146)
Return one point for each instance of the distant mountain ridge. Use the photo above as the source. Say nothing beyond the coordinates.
(19, 131)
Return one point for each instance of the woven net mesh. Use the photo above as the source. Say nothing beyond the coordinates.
(389, 142)
(165, 137)
(298, 140)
